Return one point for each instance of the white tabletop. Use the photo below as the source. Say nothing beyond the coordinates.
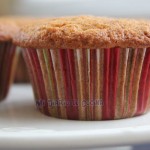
(21, 123)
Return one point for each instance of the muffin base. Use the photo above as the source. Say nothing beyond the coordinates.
(90, 84)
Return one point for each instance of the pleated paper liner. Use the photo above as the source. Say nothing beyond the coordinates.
(90, 84)
(8, 60)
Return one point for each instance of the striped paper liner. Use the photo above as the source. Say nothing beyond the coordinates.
(90, 84)
(8, 61)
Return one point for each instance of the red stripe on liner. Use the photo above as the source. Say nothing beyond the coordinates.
(38, 71)
(143, 86)
(67, 83)
(92, 81)
(73, 83)
(147, 91)
(113, 80)
(105, 109)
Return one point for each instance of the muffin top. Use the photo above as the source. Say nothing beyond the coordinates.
(9, 26)
(85, 32)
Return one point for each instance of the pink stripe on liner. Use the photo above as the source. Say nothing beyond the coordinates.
(38, 70)
(73, 83)
(113, 81)
(147, 87)
(67, 83)
(143, 87)
(111, 64)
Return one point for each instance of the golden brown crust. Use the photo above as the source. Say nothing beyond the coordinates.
(85, 32)
(9, 26)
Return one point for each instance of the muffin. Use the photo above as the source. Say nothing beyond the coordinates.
(89, 68)
(9, 26)
(8, 55)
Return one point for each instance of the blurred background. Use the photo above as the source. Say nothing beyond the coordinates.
(48, 8)
(113, 8)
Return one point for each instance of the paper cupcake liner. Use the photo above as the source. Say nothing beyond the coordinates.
(90, 84)
(8, 60)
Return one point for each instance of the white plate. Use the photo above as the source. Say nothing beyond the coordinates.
(21, 123)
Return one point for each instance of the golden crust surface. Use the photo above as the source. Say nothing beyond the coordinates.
(9, 26)
(85, 32)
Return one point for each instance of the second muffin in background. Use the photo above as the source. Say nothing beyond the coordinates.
(9, 52)
(89, 68)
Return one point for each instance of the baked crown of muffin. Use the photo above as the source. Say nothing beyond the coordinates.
(85, 32)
